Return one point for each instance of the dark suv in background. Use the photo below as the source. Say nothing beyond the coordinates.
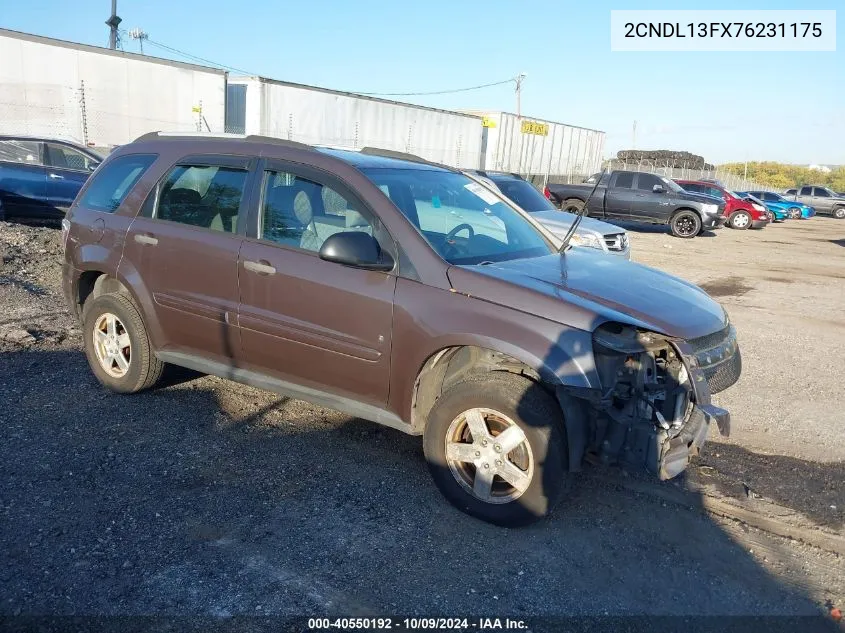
(400, 292)
(40, 177)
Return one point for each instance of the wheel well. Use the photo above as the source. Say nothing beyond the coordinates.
(453, 364)
(93, 283)
(681, 210)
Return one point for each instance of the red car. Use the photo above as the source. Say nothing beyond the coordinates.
(740, 213)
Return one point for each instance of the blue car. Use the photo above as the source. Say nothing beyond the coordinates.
(40, 177)
(780, 206)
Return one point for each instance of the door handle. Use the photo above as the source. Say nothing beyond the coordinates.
(262, 267)
(149, 240)
(57, 177)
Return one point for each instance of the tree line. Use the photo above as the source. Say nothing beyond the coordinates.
(780, 176)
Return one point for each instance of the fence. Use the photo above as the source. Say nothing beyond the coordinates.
(669, 169)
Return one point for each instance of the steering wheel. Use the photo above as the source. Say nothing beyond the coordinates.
(450, 236)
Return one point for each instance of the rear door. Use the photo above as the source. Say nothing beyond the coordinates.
(184, 245)
(649, 206)
(303, 319)
(23, 178)
(67, 171)
(619, 196)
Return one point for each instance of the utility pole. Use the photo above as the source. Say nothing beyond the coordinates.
(519, 79)
(634, 136)
(113, 22)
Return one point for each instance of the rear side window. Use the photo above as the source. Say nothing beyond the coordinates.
(625, 180)
(806, 191)
(691, 187)
(114, 181)
(206, 196)
(25, 152)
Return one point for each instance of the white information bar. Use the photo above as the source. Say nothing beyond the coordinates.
(723, 30)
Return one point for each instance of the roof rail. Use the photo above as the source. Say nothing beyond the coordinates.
(159, 135)
(391, 153)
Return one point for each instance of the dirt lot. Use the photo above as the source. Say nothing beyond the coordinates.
(206, 497)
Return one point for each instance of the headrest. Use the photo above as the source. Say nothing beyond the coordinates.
(302, 208)
(183, 196)
(355, 219)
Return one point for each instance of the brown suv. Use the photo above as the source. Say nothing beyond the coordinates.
(400, 292)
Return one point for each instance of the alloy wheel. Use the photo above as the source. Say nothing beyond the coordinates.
(112, 345)
(489, 455)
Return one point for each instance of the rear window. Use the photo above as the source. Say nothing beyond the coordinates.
(25, 152)
(114, 181)
(524, 195)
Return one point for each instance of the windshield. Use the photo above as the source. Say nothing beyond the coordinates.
(525, 195)
(463, 221)
(670, 185)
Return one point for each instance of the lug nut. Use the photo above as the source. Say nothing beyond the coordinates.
(486, 465)
(498, 448)
(478, 453)
(498, 462)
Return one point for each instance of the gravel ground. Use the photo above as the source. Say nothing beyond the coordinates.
(204, 497)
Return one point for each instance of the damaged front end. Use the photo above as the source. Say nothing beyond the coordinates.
(653, 408)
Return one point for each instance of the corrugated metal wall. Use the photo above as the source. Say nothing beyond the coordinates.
(54, 88)
(316, 116)
(563, 151)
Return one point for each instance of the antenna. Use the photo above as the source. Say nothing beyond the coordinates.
(580, 216)
(140, 35)
(113, 22)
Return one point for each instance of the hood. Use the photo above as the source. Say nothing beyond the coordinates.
(699, 197)
(558, 222)
(584, 289)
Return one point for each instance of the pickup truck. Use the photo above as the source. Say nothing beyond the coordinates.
(822, 199)
(641, 197)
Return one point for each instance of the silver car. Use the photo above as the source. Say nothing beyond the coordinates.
(591, 233)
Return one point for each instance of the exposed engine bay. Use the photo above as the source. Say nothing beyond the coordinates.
(653, 408)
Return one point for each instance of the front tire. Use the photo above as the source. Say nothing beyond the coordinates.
(794, 213)
(685, 224)
(117, 344)
(740, 220)
(496, 448)
(839, 213)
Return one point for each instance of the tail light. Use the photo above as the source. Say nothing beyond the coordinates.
(547, 193)
(65, 232)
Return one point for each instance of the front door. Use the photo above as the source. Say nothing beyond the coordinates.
(67, 171)
(184, 246)
(303, 319)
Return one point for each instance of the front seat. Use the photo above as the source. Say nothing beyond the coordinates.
(305, 216)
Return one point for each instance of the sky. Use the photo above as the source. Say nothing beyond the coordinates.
(787, 107)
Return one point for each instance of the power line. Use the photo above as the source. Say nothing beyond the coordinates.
(436, 92)
(366, 94)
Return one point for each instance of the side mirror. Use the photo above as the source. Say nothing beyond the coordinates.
(658, 189)
(357, 249)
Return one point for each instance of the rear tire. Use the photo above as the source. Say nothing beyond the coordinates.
(685, 224)
(117, 344)
(572, 205)
(740, 220)
(839, 213)
(533, 457)
(794, 213)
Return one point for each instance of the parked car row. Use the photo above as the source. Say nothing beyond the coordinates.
(402, 292)
(40, 177)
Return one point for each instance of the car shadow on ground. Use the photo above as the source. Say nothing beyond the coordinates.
(208, 498)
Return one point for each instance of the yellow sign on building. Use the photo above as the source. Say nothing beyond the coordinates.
(535, 127)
